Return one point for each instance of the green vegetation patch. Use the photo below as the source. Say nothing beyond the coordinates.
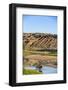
(51, 53)
(28, 71)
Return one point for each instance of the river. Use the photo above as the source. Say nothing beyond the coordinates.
(45, 69)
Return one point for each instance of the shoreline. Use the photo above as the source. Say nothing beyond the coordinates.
(48, 65)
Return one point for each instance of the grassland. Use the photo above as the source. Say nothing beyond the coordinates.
(27, 72)
(34, 52)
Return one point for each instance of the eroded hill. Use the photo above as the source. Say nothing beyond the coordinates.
(40, 41)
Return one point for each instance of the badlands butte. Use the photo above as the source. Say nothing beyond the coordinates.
(40, 40)
(40, 47)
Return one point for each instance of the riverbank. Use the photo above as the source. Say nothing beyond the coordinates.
(30, 71)
(35, 70)
(44, 60)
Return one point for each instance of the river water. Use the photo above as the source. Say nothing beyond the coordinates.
(45, 69)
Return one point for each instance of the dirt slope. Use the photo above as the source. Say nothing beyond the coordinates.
(40, 40)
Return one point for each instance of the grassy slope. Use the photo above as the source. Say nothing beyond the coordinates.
(27, 72)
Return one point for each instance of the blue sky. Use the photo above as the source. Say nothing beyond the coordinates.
(41, 24)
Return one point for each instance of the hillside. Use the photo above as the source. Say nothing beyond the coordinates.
(40, 41)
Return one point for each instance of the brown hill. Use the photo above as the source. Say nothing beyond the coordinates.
(40, 41)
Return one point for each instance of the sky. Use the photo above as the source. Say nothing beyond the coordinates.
(40, 24)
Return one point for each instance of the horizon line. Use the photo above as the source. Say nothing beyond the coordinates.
(40, 32)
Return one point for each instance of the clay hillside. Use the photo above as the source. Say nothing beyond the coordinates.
(40, 40)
